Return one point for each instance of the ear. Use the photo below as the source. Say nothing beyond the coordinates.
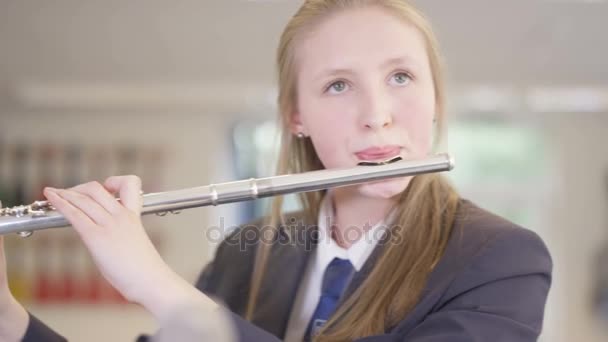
(295, 124)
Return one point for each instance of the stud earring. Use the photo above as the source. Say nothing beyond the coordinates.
(300, 135)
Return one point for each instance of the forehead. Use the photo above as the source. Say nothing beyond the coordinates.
(360, 37)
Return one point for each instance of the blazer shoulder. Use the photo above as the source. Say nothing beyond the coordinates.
(250, 233)
(39, 331)
(227, 276)
(478, 229)
(239, 245)
(487, 247)
(475, 220)
(491, 283)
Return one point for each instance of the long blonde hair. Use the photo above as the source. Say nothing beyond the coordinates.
(426, 209)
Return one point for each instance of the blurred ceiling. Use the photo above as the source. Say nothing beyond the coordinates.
(231, 43)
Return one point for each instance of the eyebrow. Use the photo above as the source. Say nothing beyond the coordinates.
(399, 60)
(332, 72)
(392, 61)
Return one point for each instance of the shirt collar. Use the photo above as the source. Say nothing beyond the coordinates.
(328, 249)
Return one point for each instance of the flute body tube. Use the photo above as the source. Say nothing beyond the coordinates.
(26, 219)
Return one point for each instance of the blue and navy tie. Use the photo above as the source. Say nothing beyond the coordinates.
(337, 275)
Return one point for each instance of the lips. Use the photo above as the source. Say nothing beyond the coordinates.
(377, 153)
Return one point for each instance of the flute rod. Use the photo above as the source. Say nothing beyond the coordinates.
(40, 215)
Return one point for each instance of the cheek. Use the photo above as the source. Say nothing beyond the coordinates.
(325, 120)
(414, 119)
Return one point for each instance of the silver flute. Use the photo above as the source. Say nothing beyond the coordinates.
(25, 219)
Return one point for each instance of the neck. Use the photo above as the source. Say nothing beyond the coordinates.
(355, 214)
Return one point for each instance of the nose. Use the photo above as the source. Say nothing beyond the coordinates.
(375, 111)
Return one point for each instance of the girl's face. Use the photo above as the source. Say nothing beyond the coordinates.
(365, 92)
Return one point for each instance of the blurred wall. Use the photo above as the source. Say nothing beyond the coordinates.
(578, 225)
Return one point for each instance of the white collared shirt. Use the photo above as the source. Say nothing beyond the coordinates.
(327, 249)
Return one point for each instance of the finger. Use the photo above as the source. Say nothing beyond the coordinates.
(129, 188)
(65, 203)
(100, 195)
(87, 205)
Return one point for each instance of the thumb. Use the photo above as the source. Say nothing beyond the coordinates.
(129, 190)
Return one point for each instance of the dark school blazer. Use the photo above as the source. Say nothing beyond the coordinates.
(491, 284)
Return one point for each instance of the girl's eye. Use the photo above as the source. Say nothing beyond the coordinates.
(401, 78)
(337, 87)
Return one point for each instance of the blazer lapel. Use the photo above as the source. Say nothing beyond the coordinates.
(360, 276)
(284, 271)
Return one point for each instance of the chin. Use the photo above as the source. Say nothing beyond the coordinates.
(384, 189)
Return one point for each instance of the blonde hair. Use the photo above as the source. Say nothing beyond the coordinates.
(426, 209)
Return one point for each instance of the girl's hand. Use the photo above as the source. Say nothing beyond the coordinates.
(114, 235)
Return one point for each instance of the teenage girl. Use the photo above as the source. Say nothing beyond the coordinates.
(406, 259)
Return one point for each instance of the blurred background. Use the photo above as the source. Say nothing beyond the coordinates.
(182, 94)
